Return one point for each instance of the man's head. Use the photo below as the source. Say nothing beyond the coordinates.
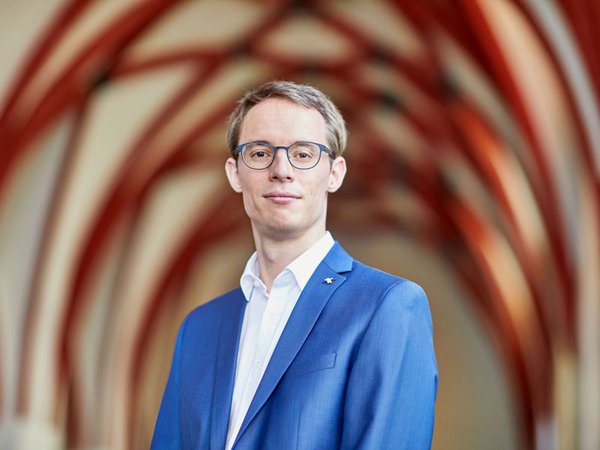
(284, 183)
(300, 94)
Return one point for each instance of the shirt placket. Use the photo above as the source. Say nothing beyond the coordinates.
(268, 328)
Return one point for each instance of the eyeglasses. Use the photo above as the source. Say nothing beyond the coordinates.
(302, 155)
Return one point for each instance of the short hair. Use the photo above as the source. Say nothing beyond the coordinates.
(300, 94)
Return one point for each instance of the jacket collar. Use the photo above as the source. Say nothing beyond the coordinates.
(228, 343)
(338, 260)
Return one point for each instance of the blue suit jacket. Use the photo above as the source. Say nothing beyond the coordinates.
(354, 369)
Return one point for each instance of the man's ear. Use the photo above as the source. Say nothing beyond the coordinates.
(336, 174)
(233, 176)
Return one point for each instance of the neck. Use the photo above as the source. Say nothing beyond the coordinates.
(274, 255)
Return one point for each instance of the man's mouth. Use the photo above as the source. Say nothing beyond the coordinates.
(281, 197)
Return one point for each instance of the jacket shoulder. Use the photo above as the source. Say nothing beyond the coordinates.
(216, 307)
(369, 283)
(362, 273)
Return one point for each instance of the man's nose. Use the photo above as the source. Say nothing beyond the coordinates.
(281, 167)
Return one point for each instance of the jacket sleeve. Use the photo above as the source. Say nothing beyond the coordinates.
(167, 432)
(393, 379)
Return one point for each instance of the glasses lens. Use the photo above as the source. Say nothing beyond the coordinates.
(304, 155)
(257, 155)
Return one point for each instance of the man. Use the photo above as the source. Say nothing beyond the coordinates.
(314, 350)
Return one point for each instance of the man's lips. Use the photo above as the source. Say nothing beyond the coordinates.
(281, 197)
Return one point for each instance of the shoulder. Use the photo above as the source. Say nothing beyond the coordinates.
(395, 304)
(212, 311)
(368, 287)
(373, 279)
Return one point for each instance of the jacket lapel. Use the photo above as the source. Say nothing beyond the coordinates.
(322, 284)
(228, 339)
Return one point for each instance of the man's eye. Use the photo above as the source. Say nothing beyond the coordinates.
(259, 152)
(304, 152)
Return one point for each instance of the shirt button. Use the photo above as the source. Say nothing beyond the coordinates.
(258, 363)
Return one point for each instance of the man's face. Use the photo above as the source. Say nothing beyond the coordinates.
(281, 201)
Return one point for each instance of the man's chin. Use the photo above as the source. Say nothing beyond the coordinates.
(283, 232)
(280, 230)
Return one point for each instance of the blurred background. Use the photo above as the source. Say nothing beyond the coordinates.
(474, 169)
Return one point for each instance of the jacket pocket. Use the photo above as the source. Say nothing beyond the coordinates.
(307, 365)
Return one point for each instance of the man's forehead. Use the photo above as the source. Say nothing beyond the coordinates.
(277, 111)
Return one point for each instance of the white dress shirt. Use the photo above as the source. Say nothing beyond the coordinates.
(265, 318)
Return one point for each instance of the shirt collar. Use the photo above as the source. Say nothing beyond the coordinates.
(302, 267)
(305, 264)
(250, 276)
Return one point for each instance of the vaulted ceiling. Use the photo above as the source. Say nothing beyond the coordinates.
(474, 134)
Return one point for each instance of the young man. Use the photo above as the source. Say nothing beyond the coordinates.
(314, 350)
